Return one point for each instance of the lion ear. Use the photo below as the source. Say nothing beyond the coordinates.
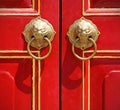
(38, 17)
(27, 35)
(68, 33)
(23, 33)
(82, 18)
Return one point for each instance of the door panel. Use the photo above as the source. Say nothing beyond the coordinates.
(21, 8)
(90, 85)
(15, 3)
(104, 84)
(17, 67)
(15, 84)
(50, 66)
(105, 3)
(71, 67)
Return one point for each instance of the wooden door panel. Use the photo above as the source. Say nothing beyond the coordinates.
(112, 91)
(22, 8)
(15, 88)
(93, 86)
(105, 3)
(50, 99)
(15, 3)
(71, 67)
(15, 60)
(104, 84)
(12, 28)
(106, 41)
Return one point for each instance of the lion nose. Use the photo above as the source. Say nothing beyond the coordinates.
(83, 47)
(39, 46)
(84, 33)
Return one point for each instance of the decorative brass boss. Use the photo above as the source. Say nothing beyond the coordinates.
(39, 33)
(83, 34)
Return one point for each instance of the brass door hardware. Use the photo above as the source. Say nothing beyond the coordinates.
(83, 34)
(39, 33)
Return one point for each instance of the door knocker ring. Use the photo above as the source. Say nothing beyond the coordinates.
(40, 57)
(81, 58)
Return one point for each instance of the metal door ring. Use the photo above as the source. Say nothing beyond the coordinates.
(43, 57)
(81, 58)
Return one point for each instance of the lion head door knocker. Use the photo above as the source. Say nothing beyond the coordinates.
(83, 34)
(39, 33)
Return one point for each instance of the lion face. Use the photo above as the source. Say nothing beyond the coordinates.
(38, 28)
(82, 30)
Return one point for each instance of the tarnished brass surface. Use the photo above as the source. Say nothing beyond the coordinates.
(38, 29)
(39, 57)
(85, 58)
(83, 29)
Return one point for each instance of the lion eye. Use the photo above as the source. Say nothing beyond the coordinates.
(32, 36)
(76, 37)
(87, 31)
(45, 36)
(89, 36)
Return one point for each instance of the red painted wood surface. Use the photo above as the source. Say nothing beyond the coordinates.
(15, 3)
(50, 70)
(71, 67)
(100, 87)
(105, 3)
(15, 74)
(105, 84)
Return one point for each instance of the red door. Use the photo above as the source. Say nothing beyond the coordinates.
(92, 84)
(21, 87)
(85, 85)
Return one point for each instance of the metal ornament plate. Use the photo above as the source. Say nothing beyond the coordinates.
(83, 29)
(39, 29)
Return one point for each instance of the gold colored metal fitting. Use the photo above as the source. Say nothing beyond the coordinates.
(83, 29)
(83, 34)
(40, 57)
(39, 29)
(39, 33)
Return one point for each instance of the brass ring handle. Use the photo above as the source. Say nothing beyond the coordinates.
(81, 58)
(41, 57)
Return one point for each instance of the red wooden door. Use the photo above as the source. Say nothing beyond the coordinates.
(84, 85)
(16, 65)
(92, 84)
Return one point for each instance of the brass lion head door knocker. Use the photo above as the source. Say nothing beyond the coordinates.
(83, 34)
(39, 33)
